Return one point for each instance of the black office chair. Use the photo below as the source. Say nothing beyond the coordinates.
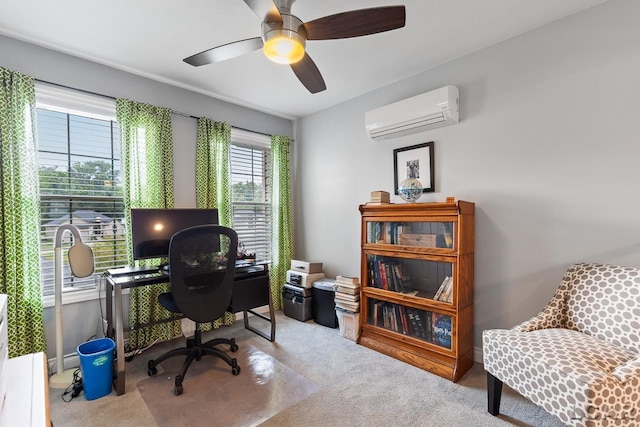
(201, 269)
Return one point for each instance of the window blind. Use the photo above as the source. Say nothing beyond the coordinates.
(80, 184)
(250, 197)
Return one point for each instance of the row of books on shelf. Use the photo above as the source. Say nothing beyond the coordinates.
(388, 273)
(445, 291)
(400, 233)
(347, 293)
(432, 327)
(385, 232)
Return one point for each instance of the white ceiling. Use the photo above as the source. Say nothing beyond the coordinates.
(151, 37)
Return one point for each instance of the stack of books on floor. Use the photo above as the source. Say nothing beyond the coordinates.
(347, 294)
(379, 198)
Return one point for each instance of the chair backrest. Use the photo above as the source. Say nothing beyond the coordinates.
(202, 263)
(603, 301)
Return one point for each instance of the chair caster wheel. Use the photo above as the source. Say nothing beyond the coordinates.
(151, 368)
(235, 370)
(177, 390)
(234, 348)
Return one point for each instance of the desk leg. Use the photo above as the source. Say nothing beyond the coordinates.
(271, 319)
(119, 335)
(108, 289)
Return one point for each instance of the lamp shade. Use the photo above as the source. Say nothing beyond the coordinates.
(81, 259)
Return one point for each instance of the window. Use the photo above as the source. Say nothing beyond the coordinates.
(80, 183)
(251, 208)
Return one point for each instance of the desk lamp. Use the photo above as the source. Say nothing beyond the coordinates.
(81, 264)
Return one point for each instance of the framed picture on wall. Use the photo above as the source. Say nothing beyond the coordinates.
(414, 162)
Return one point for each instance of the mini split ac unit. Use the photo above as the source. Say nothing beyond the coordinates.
(429, 110)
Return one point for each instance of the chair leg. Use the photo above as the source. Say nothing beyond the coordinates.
(194, 351)
(494, 393)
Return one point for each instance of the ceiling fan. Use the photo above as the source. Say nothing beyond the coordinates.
(284, 36)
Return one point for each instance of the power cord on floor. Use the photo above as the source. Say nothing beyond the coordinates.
(129, 355)
(75, 388)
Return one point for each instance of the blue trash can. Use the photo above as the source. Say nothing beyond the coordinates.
(96, 364)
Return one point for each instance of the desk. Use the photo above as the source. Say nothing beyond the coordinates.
(250, 290)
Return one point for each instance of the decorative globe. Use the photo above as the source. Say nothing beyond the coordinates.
(410, 190)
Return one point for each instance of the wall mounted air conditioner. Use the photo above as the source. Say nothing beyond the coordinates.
(429, 110)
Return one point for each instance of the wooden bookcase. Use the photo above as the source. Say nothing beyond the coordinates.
(408, 251)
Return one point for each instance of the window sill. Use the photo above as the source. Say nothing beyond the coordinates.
(74, 297)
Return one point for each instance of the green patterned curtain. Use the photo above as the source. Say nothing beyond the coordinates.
(147, 165)
(20, 205)
(212, 168)
(282, 223)
(212, 181)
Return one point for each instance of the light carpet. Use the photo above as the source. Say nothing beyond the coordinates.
(356, 387)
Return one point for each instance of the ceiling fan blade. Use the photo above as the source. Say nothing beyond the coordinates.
(265, 9)
(224, 52)
(356, 23)
(308, 74)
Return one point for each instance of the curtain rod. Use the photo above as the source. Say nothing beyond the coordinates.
(114, 98)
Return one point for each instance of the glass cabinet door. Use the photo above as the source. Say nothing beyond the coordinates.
(418, 234)
(428, 326)
(419, 277)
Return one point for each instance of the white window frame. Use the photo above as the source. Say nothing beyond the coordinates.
(70, 101)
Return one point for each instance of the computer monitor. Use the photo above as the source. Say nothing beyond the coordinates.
(152, 229)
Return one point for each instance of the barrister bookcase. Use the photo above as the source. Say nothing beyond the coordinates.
(417, 266)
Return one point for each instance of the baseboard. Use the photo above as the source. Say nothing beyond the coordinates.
(477, 354)
(71, 361)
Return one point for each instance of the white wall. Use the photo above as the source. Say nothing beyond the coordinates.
(547, 148)
(81, 319)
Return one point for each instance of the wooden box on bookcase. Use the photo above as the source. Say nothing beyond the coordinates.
(416, 299)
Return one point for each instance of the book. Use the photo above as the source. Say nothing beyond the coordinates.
(420, 324)
(404, 282)
(383, 275)
(405, 321)
(339, 296)
(345, 280)
(378, 309)
(440, 290)
(447, 294)
(347, 289)
(446, 232)
(441, 329)
(351, 306)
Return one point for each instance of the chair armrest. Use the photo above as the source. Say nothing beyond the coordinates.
(539, 321)
(629, 370)
(552, 316)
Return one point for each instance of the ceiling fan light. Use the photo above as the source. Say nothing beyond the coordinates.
(284, 47)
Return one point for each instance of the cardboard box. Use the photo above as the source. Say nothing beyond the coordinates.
(306, 266)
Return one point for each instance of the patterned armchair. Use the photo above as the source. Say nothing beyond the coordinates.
(579, 358)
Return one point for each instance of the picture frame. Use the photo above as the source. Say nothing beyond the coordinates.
(417, 162)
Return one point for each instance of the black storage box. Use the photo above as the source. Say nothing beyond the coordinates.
(296, 302)
(324, 303)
